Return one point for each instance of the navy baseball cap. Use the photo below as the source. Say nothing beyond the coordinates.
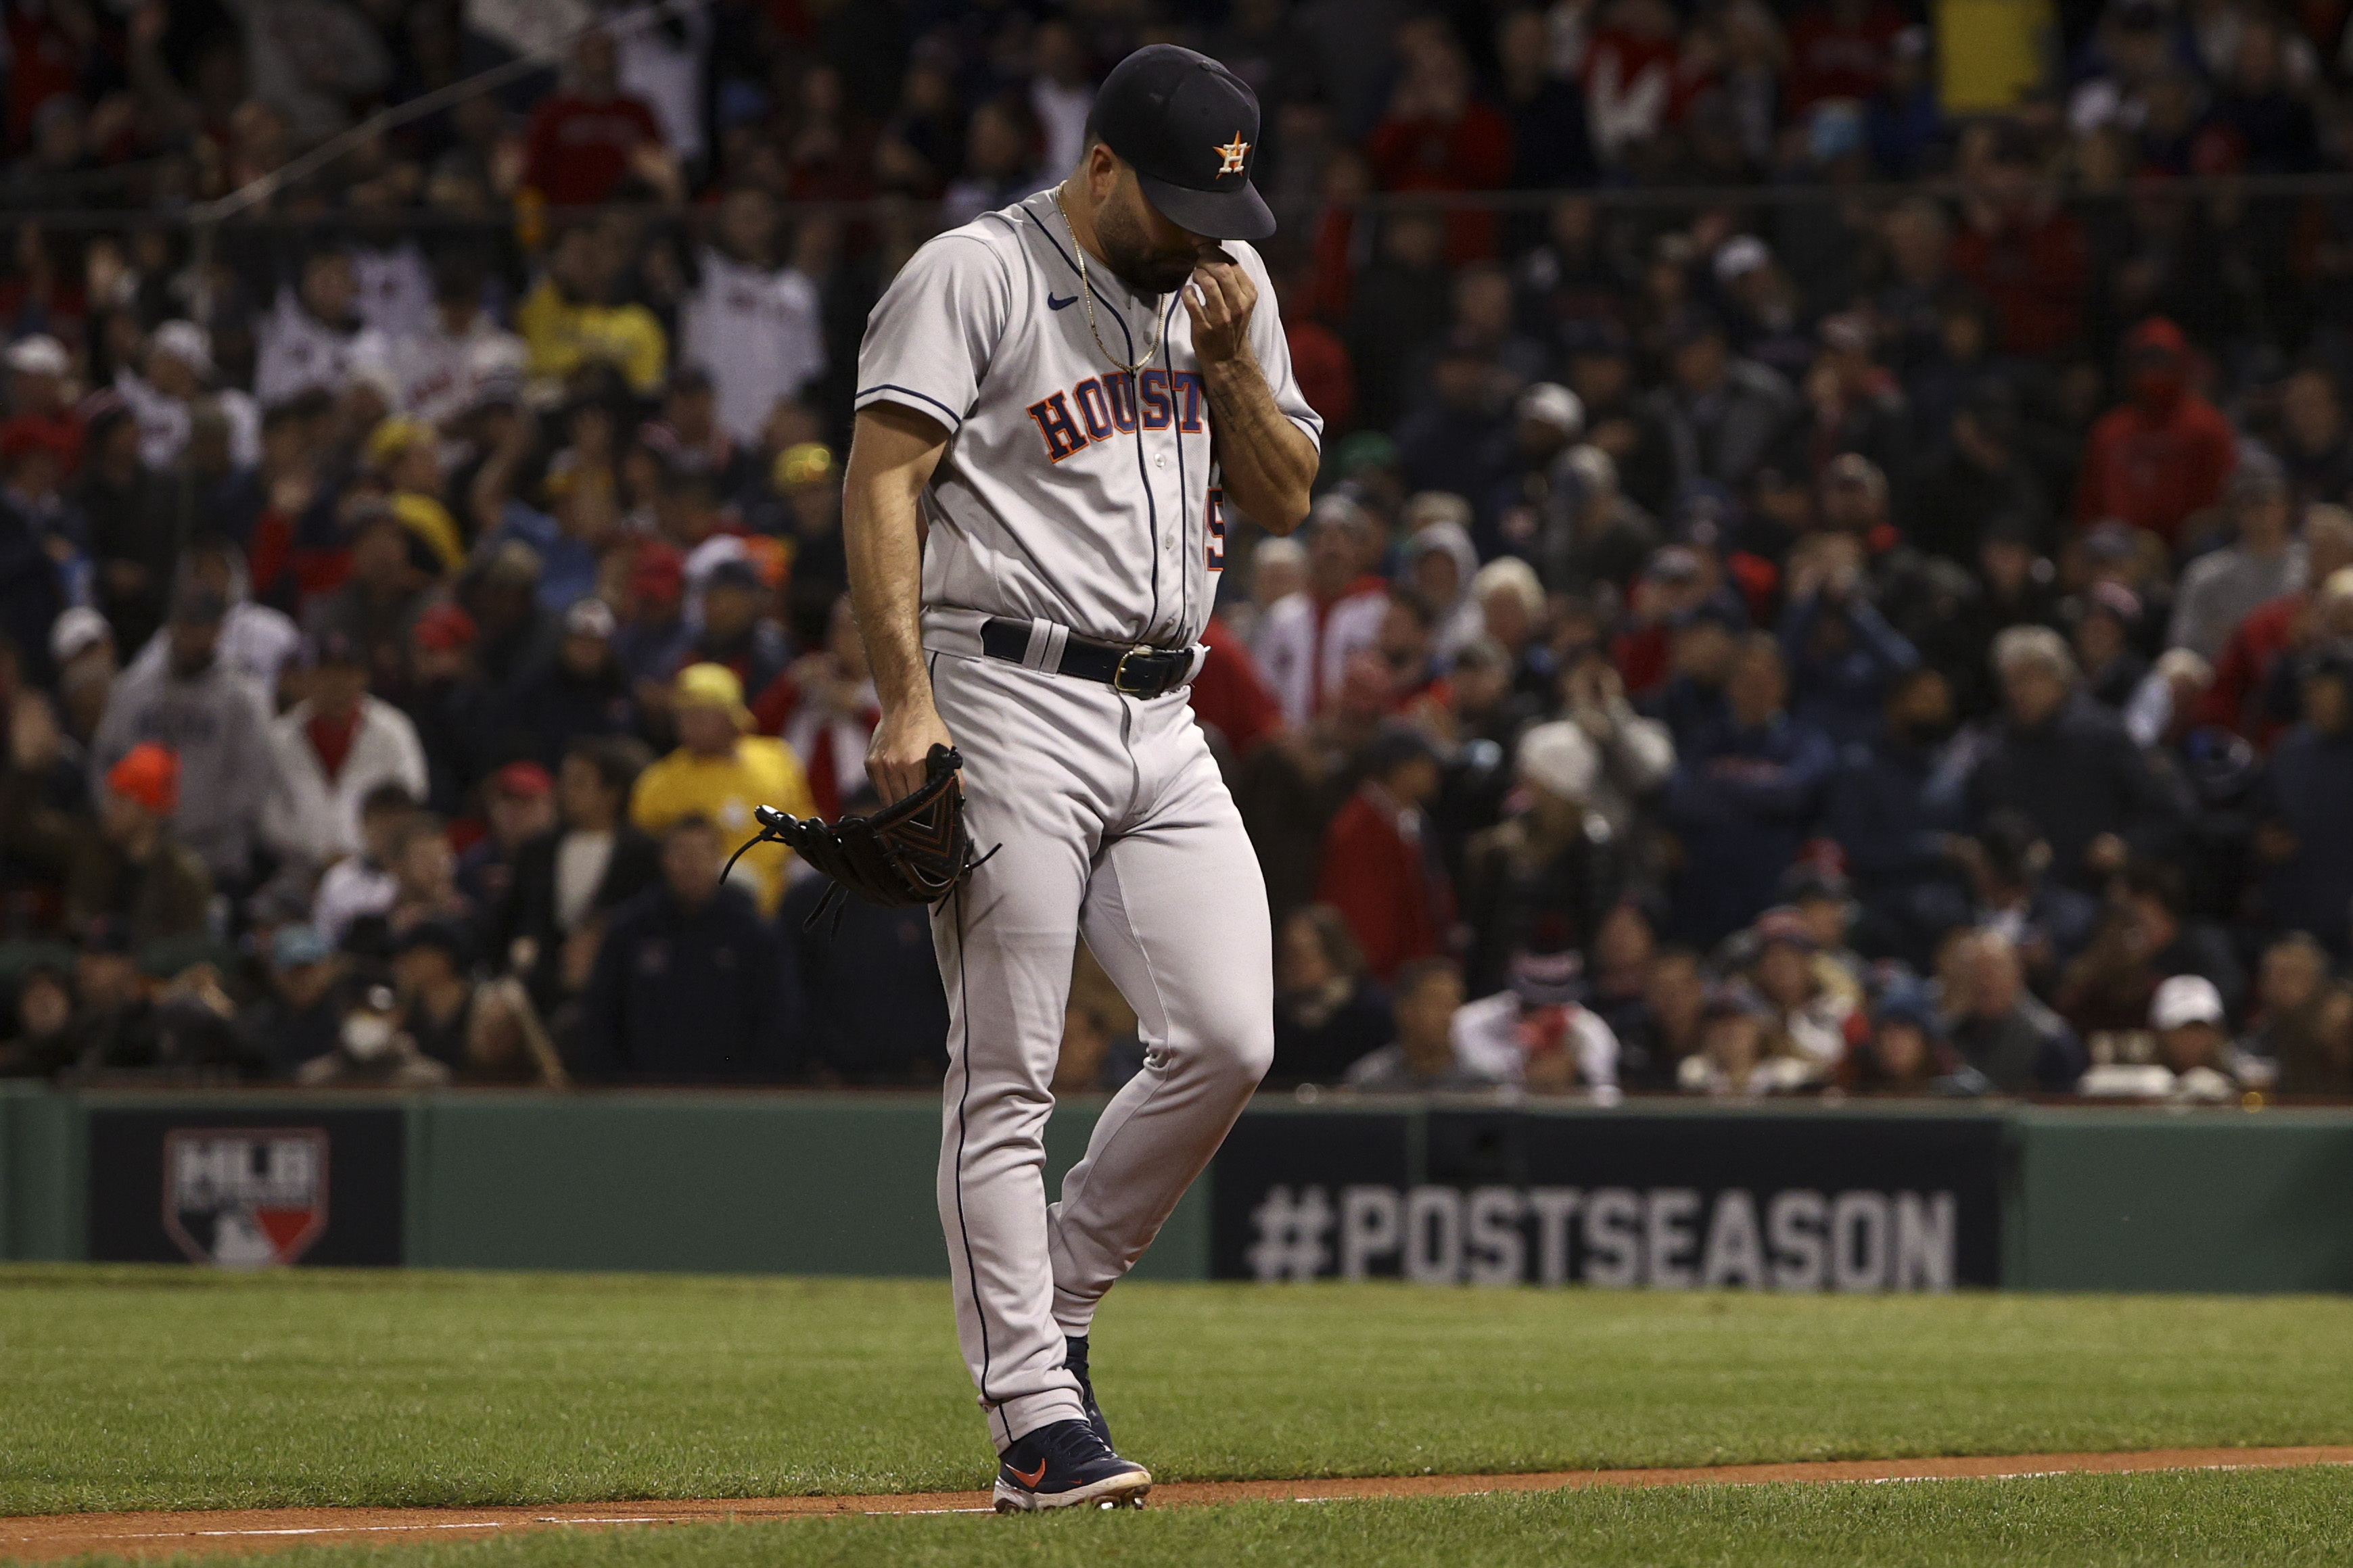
(1188, 127)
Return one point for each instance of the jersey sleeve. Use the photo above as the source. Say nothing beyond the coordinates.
(1273, 350)
(930, 338)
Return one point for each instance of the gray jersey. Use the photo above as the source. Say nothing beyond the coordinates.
(1068, 492)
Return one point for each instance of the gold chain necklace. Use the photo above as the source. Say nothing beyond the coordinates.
(1087, 297)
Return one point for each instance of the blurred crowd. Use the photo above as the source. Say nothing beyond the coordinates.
(1762, 630)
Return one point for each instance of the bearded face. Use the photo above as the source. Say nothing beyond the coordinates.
(1151, 255)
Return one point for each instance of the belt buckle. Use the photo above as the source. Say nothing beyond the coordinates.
(1119, 674)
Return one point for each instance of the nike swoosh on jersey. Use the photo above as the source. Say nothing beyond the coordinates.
(1054, 304)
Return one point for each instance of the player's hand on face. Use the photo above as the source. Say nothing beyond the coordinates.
(1219, 299)
(898, 758)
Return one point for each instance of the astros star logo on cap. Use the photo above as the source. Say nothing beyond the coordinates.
(1233, 153)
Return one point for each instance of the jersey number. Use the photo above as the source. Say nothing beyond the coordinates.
(1213, 529)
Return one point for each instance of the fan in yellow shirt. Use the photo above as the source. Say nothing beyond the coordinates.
(719, 772)
(408, 453)
(566, 322)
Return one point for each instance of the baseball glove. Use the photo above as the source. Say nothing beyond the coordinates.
(912, 852)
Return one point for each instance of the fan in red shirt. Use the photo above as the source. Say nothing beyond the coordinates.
(1231, 695)
(2277, 628)
(1437, 137)
(1319, 360)
(1381, 869)
(37, 368)
(1638, 81)
(2018, 247)
(823, 705)
(1840, 50)
(2164, 453)
(581, 141)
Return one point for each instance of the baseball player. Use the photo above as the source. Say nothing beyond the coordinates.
(1056, 402)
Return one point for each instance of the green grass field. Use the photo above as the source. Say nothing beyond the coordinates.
(133, 1388)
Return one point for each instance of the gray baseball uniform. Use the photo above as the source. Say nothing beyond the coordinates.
(1077, 499)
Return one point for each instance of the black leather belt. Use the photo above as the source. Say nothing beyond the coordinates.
(1131, 669)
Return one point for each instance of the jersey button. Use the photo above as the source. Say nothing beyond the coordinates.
(1160, 460)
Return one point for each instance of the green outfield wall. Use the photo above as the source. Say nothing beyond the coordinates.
(1661, 1194)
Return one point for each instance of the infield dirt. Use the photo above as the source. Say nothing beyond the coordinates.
(54, 1537)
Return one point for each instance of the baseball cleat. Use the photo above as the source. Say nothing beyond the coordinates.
(1065, 1465)
(1074, 1359)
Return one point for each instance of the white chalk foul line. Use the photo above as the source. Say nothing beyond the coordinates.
(911, 1512)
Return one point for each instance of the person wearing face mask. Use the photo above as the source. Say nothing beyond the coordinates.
(372, 1049)
(2162, 456)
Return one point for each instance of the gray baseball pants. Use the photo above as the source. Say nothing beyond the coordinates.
(1115, 824)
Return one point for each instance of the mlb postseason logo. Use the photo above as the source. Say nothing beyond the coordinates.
(1664, 1238)
(244, 1197)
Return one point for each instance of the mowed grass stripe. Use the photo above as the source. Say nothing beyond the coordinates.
(2279, 1518)
(166, 1388)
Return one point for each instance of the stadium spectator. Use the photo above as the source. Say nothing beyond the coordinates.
(753, 325)
(2304, 843)
(363, 884)
(128, 1030)
(2263, 560)
(41, 1042)
(330, 751)
(824, 708)
(425, 881)
(457, 355)
(1722, 414)
(578, 688)
(381, 595)
(1424, 1058)
(570, 876)
(2065, 766)
(256, 641)
(1545, 877)
(448, 703)
(1662, 1026)
(688, 984)
(215, 721)
(299, 1015)
(125, 506)
(2001, 1030)
(1302, 640)
(432, 977)
(2019, 248)
(1381, 868)
(519, 804)
(720, 771)
(1743, 796)
(2162, 457)
(1536, 1034)
(132, 870)
(586, 138)
(314, 337)
(2303, 1027)
(1740, 1054)
(1328, 1015)
(2243, 674)
(373, 1050)
(2193, 1042)
(577, 319)
(1908, 1051)
(2316, 445)
(1843, 656)
(874, 1011)
(1811, 1001)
